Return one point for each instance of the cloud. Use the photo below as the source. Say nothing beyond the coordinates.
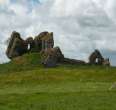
(110, 8)
(4, 2)
(79, 26)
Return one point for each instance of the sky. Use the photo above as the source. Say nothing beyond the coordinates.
(79, 26)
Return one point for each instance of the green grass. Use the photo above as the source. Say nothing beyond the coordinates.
(26, 85)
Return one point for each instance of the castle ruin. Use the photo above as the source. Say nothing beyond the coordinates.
(44, 44)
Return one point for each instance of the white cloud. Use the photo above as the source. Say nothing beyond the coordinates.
(18, 9)
(110, 8)
(4, 2)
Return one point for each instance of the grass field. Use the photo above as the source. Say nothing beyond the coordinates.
(26, 85)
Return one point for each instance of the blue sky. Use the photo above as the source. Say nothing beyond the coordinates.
(79, 26)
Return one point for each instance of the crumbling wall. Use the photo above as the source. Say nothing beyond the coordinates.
(97, 58)
(17, 46)
(44, 44)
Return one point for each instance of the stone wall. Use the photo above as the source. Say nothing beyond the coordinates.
(17, 46)
(44, 44)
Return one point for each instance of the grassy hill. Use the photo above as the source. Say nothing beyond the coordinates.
(26, 85)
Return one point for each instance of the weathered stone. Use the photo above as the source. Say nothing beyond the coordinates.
(96, 58)
(50, 61)
(13, 36)
(73, 61)
(106, 62)
(16, 46)
(44, 41)
(29, 40)
(52, 56)
(44, 44)
(38, 44)
(31, 45)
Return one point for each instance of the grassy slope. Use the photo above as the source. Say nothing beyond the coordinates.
(26, 85)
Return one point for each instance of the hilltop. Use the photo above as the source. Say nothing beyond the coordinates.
(43, 44)
(26, 85)
(39, 77)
